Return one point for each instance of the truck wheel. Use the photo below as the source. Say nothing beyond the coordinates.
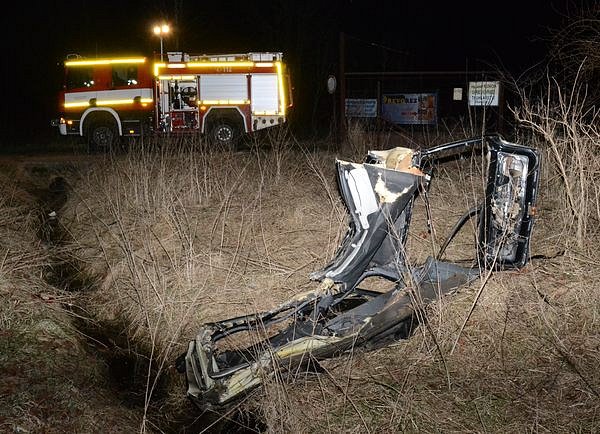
(102, 136)
(225, 134)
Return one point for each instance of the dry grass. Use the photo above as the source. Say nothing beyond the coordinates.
(179, 236)
(49, 382)
(523, 364)
(183, 236)
(569, 136)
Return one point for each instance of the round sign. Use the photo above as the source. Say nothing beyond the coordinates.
(331, 84)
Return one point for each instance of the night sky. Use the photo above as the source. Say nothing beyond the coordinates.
(381, 35)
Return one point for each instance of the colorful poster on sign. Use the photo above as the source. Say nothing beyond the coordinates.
(361, 107)
(410, 108)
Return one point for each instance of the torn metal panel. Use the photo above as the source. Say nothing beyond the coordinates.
(338, 315)
(379, 208)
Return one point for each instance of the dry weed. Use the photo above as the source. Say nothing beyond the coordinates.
(49, 382)
(178, 237)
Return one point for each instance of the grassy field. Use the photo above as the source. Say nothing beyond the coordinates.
(50, 381)
(159, 240)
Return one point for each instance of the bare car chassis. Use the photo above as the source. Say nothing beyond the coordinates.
(338, 315)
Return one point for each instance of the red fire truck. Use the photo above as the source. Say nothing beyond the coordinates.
(219, 96)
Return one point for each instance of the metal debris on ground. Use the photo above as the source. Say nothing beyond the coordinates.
(339, 315)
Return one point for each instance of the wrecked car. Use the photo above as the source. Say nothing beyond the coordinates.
(229, 358)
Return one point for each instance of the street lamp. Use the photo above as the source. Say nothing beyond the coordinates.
(161, 31)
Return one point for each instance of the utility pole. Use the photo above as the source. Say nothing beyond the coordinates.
(501, 103)
(342, 100)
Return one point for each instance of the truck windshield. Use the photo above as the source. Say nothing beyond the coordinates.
(79, 77)
(124, 75)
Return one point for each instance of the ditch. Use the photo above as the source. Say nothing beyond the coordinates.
(127, 365)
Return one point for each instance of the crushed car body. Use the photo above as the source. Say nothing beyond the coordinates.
(338, 315)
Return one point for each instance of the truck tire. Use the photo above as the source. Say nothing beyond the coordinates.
(224, 133)
(102, 135)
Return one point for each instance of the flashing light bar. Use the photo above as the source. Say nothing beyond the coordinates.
(104, 61)
(106, 102)
(220, 64)
(238, 64)
(224, 102)
(177, 77)
(282, 104)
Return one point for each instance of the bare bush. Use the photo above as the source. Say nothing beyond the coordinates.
(570, 136)
(575, 49)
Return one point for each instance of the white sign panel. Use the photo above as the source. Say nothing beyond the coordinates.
(457, 95)
(484, 93)
(361, 107)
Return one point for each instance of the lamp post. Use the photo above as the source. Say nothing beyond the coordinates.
(160, 31)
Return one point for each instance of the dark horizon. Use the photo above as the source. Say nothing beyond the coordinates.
(379, 37)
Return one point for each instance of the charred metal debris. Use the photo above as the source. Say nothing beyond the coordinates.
(338, 315)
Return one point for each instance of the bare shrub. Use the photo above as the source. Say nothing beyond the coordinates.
(574, 49)
(570, 138)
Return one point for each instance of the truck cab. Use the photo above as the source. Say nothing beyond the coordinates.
(104, 99)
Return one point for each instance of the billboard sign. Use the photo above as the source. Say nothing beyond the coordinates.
(410, 108)
(484, 93)
(361, 107)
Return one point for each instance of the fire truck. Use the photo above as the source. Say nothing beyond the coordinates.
(221, 97)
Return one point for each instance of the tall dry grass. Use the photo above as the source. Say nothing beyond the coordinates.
(523, 364)
(567, 130)
(517, 352)
(49, 382)
(178, 235)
